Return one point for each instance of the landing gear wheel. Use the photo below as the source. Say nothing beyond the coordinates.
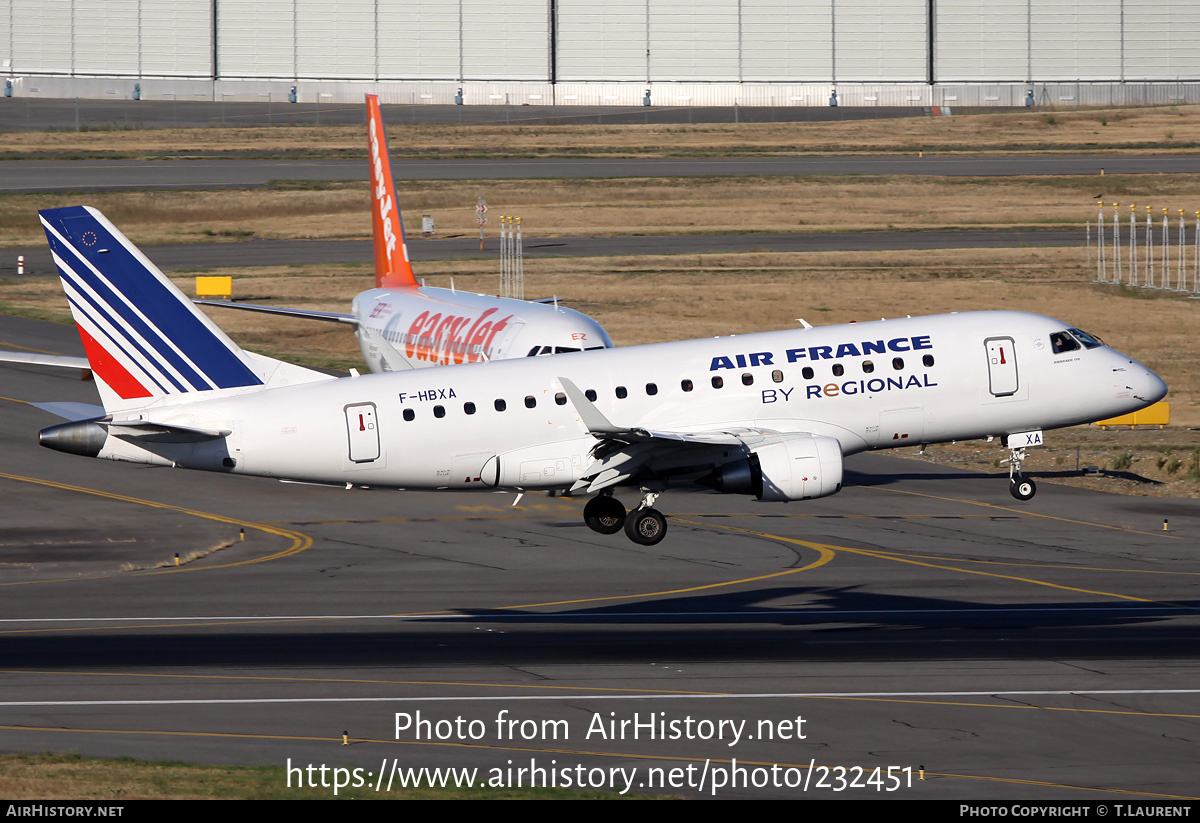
(604, 514)
(1023, 488)
(646, 527)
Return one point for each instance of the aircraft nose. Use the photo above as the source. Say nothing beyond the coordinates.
(1156, 388)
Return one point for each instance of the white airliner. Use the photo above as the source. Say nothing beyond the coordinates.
(403, 325)
(767, 415)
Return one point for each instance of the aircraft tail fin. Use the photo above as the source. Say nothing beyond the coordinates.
(144, 339)
(392, 266)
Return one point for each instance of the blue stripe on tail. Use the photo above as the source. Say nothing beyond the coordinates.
(169, 317)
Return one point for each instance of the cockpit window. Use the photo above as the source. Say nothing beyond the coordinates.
(1061, 342)
(1088, 340)
(563, 349)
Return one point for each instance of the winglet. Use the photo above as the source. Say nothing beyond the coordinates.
(392, 266)
(597, 424)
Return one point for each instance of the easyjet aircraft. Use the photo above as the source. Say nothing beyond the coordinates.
(401, 324)
(766, 415)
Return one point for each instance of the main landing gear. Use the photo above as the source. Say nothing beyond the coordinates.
(1019, 486)
(644, 525)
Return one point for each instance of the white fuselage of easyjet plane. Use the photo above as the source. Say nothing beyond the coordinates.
(439, 327)
(510, 424)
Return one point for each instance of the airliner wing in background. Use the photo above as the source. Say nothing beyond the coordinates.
(307, 314)
(38, 359)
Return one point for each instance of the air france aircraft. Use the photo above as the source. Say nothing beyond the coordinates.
(766, 415)
(403, 325)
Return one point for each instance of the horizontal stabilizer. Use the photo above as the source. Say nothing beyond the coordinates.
(152, 432)
(72, 411)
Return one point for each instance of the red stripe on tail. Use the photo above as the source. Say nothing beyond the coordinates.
(110, 370)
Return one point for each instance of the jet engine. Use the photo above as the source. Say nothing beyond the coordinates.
(799, 469)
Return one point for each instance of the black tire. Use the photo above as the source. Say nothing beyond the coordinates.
(646, 527)
(604, 514)
(1023, 488)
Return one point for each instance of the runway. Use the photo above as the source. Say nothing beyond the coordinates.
(94, 175)
(919, 618)
(188, 256)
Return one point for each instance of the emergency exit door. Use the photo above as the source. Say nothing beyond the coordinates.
(363, 431)
(1002, 366)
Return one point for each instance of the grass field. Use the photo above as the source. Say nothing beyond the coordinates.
(69, 777)
(1163, 128)
(554, 208)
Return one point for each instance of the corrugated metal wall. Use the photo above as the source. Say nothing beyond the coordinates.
(126, 38)
(631, 41)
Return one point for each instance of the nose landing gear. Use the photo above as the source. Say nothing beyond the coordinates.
(1020, 486)
(645, 525)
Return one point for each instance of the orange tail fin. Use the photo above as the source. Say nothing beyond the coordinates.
(392, 267)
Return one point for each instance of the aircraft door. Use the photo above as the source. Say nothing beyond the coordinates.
(504, 343)
(1002, 366)
(363, 431)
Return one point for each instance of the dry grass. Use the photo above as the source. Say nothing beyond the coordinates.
(553, 208)
(1132, 129)
(70, 777)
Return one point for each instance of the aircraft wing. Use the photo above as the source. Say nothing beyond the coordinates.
(58, 360)
(623, 453)
(306, 314)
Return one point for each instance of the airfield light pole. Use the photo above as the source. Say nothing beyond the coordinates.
(1195, 258)
(1180, 281)
(1132, 245)
(1167, 252)
(1149, 250)
(519, 258)
(1101, 274)
(1116, 246)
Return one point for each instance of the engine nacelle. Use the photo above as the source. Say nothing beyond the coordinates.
(799, 469)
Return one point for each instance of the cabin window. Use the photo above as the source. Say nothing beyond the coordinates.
(838, 369)
(439, 411)
(409, 415)
(777, 376)
(807, 373)
(501, 405)
(560, 399)
(590, 394)
(927, 360)
(622, 392)
(747, 379)
(717, 382)
(868, 367)
(651, 389)
(686, 385)
(469, 408)
(530, 401)
(897, 363)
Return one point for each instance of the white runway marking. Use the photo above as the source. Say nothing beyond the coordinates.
(554, 697)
